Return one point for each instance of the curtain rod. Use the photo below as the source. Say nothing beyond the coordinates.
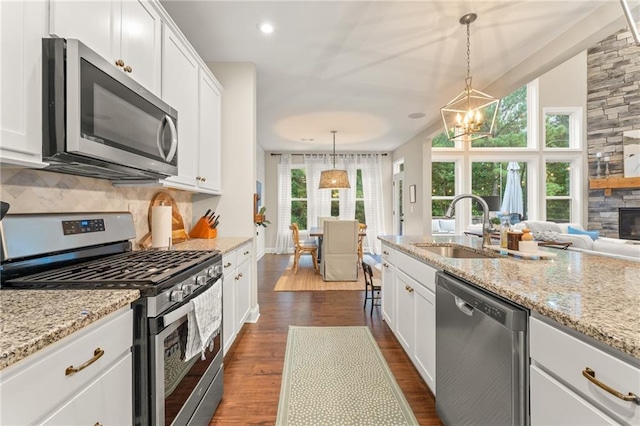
(384, 154)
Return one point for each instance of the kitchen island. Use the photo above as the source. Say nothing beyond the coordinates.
(594, 295)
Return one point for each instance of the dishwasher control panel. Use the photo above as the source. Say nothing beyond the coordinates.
(490, 310)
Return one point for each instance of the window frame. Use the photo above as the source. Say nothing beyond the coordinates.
(575, 127)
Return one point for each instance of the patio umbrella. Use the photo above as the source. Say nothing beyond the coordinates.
(512, 199)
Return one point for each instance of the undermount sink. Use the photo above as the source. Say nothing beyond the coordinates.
(454, 252)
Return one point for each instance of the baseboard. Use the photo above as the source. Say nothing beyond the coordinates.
(254, 314)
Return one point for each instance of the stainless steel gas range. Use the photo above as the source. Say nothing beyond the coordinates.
(93, 251)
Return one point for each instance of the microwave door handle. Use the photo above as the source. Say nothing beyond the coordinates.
(159, 138)
(174, 139)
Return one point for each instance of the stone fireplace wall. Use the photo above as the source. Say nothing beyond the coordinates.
(613, 106)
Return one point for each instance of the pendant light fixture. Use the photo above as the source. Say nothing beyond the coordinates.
(334, 179)
(472, 114)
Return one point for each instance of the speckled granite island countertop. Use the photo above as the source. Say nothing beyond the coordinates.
(30, 320)
(596, 295)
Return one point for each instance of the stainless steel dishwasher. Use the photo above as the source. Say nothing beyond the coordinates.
(481, 356)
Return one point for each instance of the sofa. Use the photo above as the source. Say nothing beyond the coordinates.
(581, 240)
(443, 226)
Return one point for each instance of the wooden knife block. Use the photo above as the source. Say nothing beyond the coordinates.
(203, 230)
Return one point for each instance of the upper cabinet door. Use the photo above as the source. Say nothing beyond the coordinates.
(210, 135)
(127, 33)
(180, 91)
(94, 23)
(21, 32)
(141, 43)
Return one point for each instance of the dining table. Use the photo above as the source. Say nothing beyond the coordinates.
(316, 231)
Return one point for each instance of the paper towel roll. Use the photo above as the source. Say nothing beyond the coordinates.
(161, 226)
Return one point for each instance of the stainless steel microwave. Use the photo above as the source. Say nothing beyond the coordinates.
(99, 122)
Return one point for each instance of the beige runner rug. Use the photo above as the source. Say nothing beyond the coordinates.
(307, 279)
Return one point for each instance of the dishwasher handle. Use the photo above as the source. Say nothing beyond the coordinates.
(466, 308)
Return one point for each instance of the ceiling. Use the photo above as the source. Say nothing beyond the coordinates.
(362, 67)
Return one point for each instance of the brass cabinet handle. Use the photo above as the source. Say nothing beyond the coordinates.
(97, 354)
(204, 179)
(385, 265)
(227, 265)
(120, 63)
(247, 252)
(128, 69)
(198, 178)
(240, 275)
(408, 288)
(385, 252)
(591, 376)
(98, 424)
(237, 277)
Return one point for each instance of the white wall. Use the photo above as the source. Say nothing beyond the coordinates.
(417, 171)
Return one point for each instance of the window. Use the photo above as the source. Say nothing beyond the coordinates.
(510, 129)
(489, 180)
(562, 127)
(360, 217)
(299, 198)
(443, 178)
(558, 191)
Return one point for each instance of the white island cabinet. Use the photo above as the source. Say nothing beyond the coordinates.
(408, 307)
(568, 376)
(84, 378)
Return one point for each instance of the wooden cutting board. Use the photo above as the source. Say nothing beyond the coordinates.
(178, 233)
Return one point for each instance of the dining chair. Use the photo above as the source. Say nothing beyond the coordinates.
(373, 287)
(340, 251)
(307, 246)
(362, 227)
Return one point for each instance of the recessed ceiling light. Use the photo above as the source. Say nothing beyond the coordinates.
(416, 115)
(266, 27)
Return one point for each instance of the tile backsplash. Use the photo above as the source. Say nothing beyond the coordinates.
(33, 191)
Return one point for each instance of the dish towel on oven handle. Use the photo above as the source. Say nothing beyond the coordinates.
(203, 321)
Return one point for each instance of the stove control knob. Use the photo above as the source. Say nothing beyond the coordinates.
(188, 289)
(176, 296)
(211, 271)
(217, 270)
(201, 280)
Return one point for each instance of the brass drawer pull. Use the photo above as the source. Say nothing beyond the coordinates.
(247, 252)
(385, 265)
(97, 354)
(385, 253)
(591, 376)
(120, 63)
(128, 69)
(227, 265)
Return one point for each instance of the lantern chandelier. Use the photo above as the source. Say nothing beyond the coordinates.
(334, 179)
(472, 114)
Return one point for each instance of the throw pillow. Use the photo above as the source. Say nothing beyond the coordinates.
(546, 235)
(593, 234)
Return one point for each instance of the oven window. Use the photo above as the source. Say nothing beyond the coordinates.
(181, 376)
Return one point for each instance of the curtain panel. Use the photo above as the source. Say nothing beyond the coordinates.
(318, 201)
(284, 241)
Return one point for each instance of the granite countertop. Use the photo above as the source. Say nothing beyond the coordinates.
(30, 320)
(596, 295)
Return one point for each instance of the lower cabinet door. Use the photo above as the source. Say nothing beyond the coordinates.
(389, 295)
(554, 404)
(243, 295)
(405, 327)
(106, 401)
(228, 310)
(425, 340)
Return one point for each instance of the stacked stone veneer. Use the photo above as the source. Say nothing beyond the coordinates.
(613, 106)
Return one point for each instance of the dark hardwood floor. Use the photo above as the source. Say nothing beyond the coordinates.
(253, 365)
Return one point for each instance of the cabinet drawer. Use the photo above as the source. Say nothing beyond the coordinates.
(554, 404)
(106, 401)
(566, 357)
(244, 253)
(388, 253)
(39, 383)
(419, 271)
(229, 262)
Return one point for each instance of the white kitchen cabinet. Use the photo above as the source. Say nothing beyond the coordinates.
(416, 314)
(125, 32)
(209, 135)
(236, 292)
(559, 361)
(21, 32)
(99, 392)
(405, 328)
(196, 95)
(388, 287)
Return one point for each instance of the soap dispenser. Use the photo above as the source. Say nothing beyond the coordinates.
(504, 228)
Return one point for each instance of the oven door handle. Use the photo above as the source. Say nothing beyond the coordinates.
(179, 313)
